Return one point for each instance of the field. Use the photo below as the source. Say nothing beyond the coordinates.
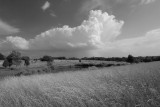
(135, 85)
(40, 67)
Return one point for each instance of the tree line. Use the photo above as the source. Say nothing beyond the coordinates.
(130, 58)
(15, 58)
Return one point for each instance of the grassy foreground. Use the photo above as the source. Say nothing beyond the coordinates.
(126, 86)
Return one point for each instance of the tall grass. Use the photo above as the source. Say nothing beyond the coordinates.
(127, 86)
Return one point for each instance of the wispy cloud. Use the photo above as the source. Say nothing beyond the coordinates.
(46, 5)
(6, 29)
(143, 45)
(146, 1)
(93, 4)
(53, 14)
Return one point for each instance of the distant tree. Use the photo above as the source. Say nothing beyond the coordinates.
(26, 60)
(130, 59)
(5, 63)
(147, 59)
(73, 58)
(14, 58)
(2, 57)
(47, 58)
(60, 58)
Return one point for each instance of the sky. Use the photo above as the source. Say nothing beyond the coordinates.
(80, 28)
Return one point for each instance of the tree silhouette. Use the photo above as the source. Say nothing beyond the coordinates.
(14, 58)
(130, 59)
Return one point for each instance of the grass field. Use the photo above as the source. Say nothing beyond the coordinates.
(136, 85)
(40, 67)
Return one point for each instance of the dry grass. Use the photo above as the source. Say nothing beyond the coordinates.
(126, 86)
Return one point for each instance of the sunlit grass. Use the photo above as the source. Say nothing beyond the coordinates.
(127, 86)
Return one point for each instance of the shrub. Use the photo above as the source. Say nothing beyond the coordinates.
(14, 58)
(2, 57)
(26, 60)
(130, 59)
(47, 58)
(147, 59)
(5, 63)
(50, 65)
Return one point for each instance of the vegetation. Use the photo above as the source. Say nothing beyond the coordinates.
(14, 58)
(5, 63)
(26, 60)
(2, 57)
(87, 65)
(125, 59)
(60, 58)
(130, 59)
(47, 58)
(126, 86)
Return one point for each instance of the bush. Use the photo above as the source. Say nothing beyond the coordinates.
(147, 59)
(130, 59)
(2, 57)
(26, 60)
(5, 63)
(47, 58)
(14, 58)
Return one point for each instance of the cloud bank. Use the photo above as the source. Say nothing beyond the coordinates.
(96, 36)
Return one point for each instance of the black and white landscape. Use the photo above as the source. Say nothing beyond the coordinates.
(79, 53)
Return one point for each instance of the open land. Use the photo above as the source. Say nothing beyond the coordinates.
(39, 67)
(135, 85)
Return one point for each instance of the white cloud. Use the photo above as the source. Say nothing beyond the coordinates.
(18, 42)
(45, 6)
(92, 34)
(53, 14)
(11, 42)
(144, 45)
(95, 36)
(6, 29)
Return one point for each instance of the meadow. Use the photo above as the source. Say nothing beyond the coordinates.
(40, 67)
(135, 85)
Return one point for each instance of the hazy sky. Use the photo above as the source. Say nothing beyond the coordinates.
(80, 27)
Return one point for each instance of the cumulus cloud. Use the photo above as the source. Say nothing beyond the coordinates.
(17, 43)
(92, 34)
(45, 6)
(94, 37)
(6, 29)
